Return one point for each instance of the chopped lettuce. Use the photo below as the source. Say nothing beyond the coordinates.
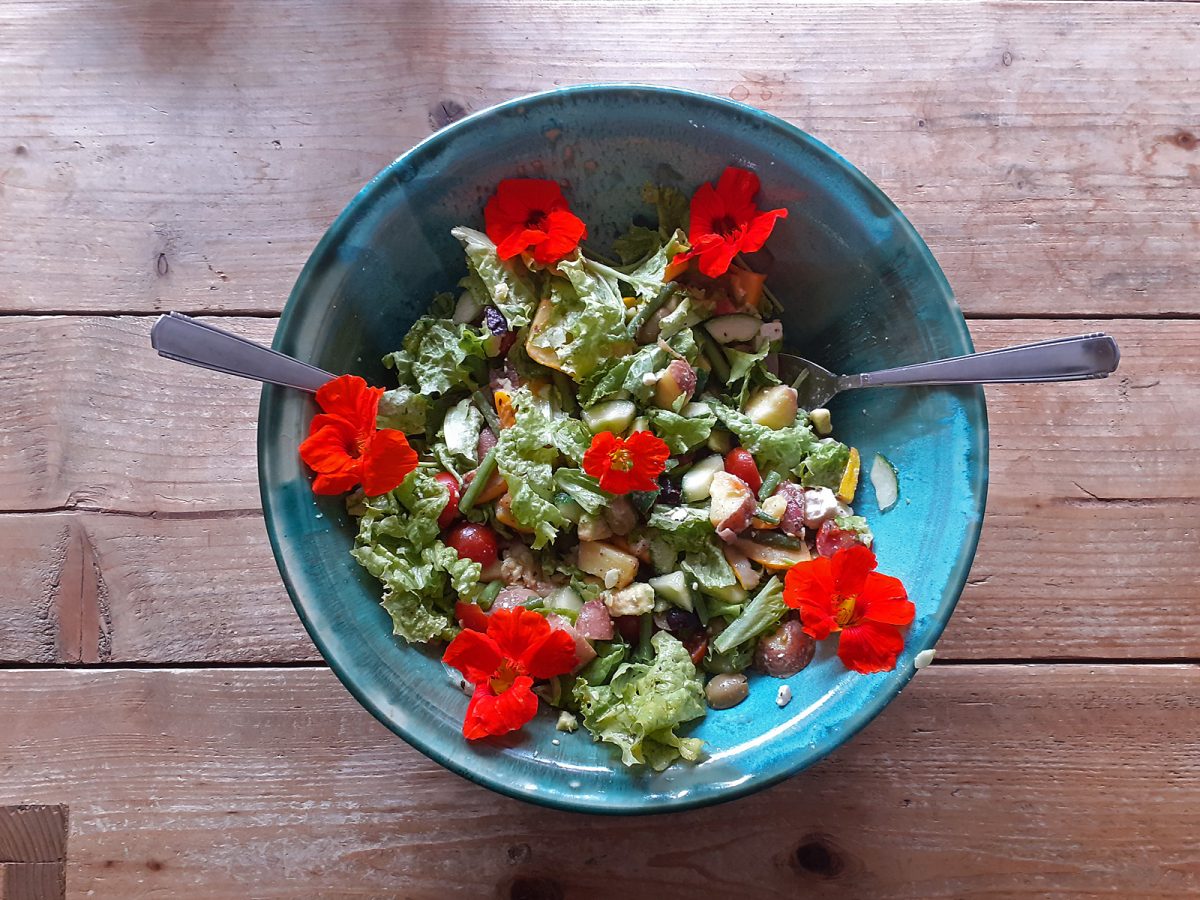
(825, 464)
(784, 449)
(437, 355)
(690, 312)
(587, 319)
(637, 244)
(684, 528)
(640, 708)
(583, 489)
(708, 566)
(628, 374)
(460, 432)
(505, 286)
(525, 457)
(404, 410)
(398, 544)
(571, 437)
(681, 433)
(672, 207)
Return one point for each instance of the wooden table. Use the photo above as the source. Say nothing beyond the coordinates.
(162, 712)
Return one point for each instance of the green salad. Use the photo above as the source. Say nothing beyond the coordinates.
(604, 483)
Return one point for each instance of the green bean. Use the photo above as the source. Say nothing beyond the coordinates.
(650, 307)
(483, 475)
(488, 597)
(769, 484)
(713, 353)
(764, 516)
(775, 539)
(489, 414)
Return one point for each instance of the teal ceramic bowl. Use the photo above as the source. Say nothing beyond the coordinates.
(862, 291)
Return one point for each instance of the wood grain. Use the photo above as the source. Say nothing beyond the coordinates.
(159, 155)
(999, 780)
(156, 551)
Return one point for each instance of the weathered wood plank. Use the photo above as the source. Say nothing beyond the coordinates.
(1093, 518)
(33, 833)
(997, 780)
(160, 155)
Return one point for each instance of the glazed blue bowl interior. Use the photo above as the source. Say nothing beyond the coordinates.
(862, 291)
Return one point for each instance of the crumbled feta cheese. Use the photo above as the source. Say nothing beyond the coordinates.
(924, 658)
(611, 578)
(501, 292)
(819, 504)
(555, 742)
(650, 379)
(566, 722)
(772, 331)
(634, 600)
(783, 696)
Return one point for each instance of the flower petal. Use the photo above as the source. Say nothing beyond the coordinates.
(870, 647)
(883, 599)
(518, 241)
(516, 629)
(737, 187)
(335, 483)
(553, 654)
(564, 231)
(759, 229)
(494, 714)
(650, 454)
(474, 654)
(386, 461)
(715, 261)
(850, 567)
(705, 209)
(808, 587)
(597, 460)
(349, 396)
(327, 450)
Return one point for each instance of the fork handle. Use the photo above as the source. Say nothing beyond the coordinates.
(196, 343)
(1063, 359)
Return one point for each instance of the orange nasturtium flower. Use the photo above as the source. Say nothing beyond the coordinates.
(724, 222)
(626, 464)
(844, 594)
(518, 646)
(531, 214)
(345, 448)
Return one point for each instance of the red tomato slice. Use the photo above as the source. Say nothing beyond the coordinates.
(450, 511)
(740, 464)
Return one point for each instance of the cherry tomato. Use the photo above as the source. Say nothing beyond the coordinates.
(475, 542)
(740, 463)
(450, 512)
(470, 616)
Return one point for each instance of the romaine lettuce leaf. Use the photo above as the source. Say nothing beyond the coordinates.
(460, 432)
(402, 409)
(691, 311)
(672, 207)
(508, 287)
(525, 456)
(640, 708)
(587, 322)
(784, 449)
(708, 566)
(637, 244)
(434, 356)
(398, 544)
(571, 437)
(583, 489)
(684, 528)
(681, 433)
(825, 464)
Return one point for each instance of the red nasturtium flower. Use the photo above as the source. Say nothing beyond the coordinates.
(502, 663)
(531, 214)
(345, 448)
(725, 222)
(626, 464)
(844, 594)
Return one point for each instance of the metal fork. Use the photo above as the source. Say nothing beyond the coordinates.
(1063, 359)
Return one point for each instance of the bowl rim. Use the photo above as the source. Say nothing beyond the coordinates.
(853, 722)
